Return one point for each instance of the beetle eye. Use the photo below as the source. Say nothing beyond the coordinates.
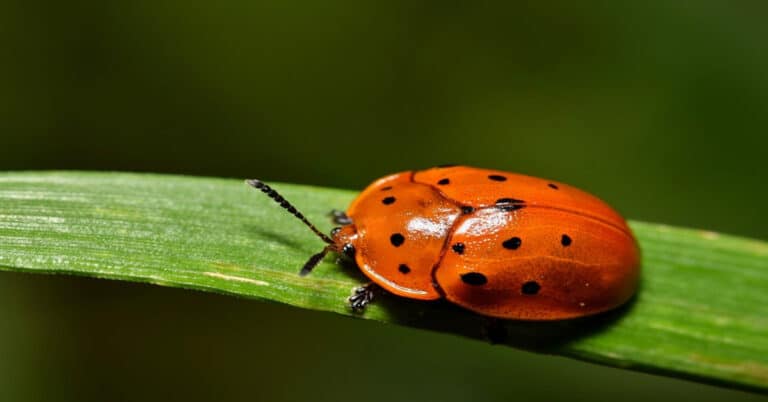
(348, 250)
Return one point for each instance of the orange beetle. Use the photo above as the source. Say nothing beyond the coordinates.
(500, 244)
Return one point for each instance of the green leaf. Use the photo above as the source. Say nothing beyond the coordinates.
(701, 312)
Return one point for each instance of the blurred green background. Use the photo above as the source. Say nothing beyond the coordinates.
(660, 108)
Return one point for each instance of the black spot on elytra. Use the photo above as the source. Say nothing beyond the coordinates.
(458, 248)
(467, 210)
(552, 186)
(404, 268)
(566, 240)
(388, 201)
(512, 243)
(530, 288)
(397, 239)
(443, 182)
(509, 204)
(496, 177)
(509, 201)
(474, 279)
(387, 188)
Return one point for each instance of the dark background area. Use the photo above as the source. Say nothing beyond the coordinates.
(660, 109)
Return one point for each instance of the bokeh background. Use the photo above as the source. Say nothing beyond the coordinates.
(660, 108)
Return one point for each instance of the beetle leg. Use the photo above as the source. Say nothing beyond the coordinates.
(315, 259)
(494, 331)
(363, 296)
(340, 218)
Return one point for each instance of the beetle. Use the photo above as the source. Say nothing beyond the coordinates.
(504, 245)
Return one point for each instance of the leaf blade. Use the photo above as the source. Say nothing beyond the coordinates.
(700, 312)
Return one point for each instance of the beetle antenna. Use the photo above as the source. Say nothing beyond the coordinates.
(274, 195)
